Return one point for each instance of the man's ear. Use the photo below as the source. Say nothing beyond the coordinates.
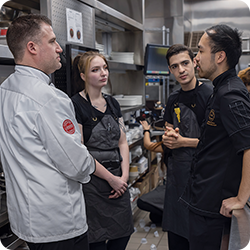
(82, 76)
(31, 46)
(194, 62)
(220, 56)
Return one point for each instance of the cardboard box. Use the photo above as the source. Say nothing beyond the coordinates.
(143, 185)
(155, 176)
(133, 202)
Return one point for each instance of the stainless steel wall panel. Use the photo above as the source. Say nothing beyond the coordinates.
(156, 9)
(168, 13)
(56, 10)
(127, 83)
(152, 36)
(129, 42)
(178, 30)
(176, 8)
(203, 14)
(200, 15)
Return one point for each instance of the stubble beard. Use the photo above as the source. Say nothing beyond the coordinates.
(210, 71)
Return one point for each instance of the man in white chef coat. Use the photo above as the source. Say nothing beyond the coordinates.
(43, 159)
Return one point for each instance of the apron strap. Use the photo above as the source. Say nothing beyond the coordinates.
(94, 118)
(193, 104)
(109, 102)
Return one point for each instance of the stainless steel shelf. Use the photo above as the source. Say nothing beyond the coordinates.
(114, 16)
(24, 5)
(135, 142)
(113, 65)
(137, 178)
(157, 132)
(111, 15)
(126, 109)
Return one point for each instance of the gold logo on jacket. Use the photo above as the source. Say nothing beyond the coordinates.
(211, 118)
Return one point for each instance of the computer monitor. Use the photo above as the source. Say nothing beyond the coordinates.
(72, 50)
(155, 62)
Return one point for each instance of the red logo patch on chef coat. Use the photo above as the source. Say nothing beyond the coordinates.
(68, 126)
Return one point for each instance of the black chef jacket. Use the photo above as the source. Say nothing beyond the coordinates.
(217, 165)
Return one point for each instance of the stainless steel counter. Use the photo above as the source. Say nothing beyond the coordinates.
(157, 132)
(240, 229)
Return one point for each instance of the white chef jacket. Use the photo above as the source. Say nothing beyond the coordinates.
(43, 159)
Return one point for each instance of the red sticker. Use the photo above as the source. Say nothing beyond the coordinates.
(69, 127)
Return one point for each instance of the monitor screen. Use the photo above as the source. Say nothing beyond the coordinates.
(72, 50)
(155, 62)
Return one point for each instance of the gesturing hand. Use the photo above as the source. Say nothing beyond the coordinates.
(145, 125)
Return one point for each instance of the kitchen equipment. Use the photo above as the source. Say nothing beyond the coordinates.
(125, 57)
(129, 100)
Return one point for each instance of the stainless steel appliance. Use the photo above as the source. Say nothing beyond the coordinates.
(6, 62)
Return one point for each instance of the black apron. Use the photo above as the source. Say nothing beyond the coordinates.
(107, 218)
(175, 215)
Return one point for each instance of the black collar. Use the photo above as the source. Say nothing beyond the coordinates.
(222, 77)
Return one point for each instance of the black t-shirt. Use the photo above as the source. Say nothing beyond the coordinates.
(204, 91)
(84, 111)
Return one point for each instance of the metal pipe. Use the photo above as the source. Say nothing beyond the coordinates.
(163, 34)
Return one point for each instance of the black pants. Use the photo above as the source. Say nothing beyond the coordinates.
(77, 243)
(155, 213)
(116, 244)
(206, 233)
(177, 242)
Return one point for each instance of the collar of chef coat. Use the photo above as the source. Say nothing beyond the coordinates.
(23, 69)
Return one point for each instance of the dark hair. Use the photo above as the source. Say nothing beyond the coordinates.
(178, 48)
(77, 82)
(224, 38)
(22, 30)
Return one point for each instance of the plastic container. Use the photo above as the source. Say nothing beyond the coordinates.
(153, 247)
(133, 172)
(142, 164)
